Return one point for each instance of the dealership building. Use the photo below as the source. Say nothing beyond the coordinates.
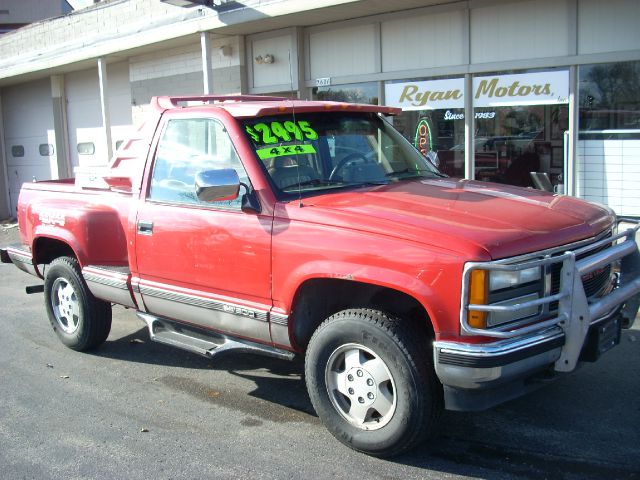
(537, 93)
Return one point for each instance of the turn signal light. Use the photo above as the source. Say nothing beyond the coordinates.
(478, 295)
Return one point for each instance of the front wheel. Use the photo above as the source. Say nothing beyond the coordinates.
(371, 381)
(80, 320)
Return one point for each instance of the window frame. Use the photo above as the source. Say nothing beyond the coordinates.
(220, 206)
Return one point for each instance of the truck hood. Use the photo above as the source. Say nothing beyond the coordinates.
(480, 220)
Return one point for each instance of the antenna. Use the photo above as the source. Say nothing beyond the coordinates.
(293, 113)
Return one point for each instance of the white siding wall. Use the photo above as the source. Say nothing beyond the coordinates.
(278, 72)
(28, 121)
(608, 25)
(609, 173)
(423, 42)
(234, 49)
(525, 29)
(89, 24)
(164, 63)
(346, 51)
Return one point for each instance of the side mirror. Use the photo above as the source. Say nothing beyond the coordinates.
(217, 185)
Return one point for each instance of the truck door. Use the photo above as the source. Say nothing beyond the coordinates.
(207, 264)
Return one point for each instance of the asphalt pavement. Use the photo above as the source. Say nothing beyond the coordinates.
(137, 409)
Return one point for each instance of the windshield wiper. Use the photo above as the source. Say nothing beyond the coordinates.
(415, 173)
(368, 183)
(313, 181)
(317, 181)
(332, 183)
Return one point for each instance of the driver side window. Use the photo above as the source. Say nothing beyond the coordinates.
(187, 147)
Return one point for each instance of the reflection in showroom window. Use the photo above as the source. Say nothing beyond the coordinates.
(432, 119)
(520, 124)
(608, 170)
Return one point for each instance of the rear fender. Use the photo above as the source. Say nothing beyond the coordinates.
(94, 232)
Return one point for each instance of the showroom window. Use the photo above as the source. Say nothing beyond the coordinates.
(608, 97)
(607, 166)
(520, 124)
(366, 92)
(432, 118)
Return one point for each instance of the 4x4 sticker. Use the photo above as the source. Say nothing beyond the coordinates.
(271, 152)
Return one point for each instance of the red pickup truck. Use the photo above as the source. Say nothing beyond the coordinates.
(287, 227)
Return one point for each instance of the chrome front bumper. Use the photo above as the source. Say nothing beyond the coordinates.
(476, 376)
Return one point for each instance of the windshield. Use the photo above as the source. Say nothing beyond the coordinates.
(316, 152)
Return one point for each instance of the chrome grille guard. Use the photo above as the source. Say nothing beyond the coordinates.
(575, 313)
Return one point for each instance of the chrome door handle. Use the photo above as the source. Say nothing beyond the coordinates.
(145, 228)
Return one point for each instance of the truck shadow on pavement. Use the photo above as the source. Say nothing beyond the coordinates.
(279, 382)
(572, 428)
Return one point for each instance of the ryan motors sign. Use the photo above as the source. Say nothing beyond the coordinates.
(541, 88)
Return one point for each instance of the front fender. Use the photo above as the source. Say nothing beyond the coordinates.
(426, 285)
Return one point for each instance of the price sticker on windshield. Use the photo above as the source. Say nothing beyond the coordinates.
(268, 133)
(272, 152)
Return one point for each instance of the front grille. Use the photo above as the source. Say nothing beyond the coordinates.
(593, 283)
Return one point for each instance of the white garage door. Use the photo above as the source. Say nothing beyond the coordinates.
(87, 143)
(29, 135)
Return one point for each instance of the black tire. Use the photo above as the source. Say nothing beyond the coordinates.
(80, 320)
(388, 362)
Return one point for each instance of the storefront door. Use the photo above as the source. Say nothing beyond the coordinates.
(520, 120)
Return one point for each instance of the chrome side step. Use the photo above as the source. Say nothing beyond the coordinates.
(202, 342)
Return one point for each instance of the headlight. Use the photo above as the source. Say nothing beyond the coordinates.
(499, 279)
(483, 285)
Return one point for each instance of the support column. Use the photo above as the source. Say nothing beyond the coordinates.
(303, 91)
(571, 161)
(469, 125)
(242, 62)
(60, 126)
(104, 104)
(207, 70)
(5, 198)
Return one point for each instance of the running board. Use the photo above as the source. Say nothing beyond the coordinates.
(203, 343)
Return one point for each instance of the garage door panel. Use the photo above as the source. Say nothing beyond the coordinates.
(24, 174)
(27, 111)
(85, 116)
(31, 146)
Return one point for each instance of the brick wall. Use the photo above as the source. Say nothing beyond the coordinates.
(178, 71)
(102, 20)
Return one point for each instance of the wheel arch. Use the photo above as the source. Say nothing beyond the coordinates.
(46, 249)
(318, 298)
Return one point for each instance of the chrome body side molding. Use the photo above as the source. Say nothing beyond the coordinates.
(196, 308)
(109, 283)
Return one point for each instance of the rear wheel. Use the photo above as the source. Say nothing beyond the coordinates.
(80, 320)
(370, 379)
